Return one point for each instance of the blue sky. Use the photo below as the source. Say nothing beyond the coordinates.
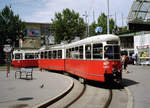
(44, 10)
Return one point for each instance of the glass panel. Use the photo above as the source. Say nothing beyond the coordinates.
(67, 53)
(29, 55)
(112, 52)
(49, 54)
(81, 52)
(88, 51)
(42, 55)
(60, 54)
(97, 51)
(46, 55)
(36, 56)
(18, 56)
(54, 54)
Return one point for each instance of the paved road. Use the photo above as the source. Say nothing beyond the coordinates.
(138, 81)
(18, 93)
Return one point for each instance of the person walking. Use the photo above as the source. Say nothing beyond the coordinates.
(125, 63)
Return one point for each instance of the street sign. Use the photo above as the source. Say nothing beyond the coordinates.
(7, 48)
(98, 29)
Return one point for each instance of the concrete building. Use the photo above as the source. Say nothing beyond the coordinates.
(37, 35)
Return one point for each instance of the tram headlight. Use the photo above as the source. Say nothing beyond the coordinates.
(114, 70)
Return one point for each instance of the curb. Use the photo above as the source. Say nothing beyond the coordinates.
(108, 100)
(130, 98)
(56, 98)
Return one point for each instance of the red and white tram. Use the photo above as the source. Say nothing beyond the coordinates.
(94, 58)
(25, 58)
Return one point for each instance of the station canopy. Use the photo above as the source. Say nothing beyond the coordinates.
(139, 12)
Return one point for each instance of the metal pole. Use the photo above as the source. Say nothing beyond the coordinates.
(86, 16)
(108, 17)
(88, 27)
(122, 20)
(7, 63)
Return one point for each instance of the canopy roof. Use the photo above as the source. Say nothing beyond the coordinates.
(139, 12)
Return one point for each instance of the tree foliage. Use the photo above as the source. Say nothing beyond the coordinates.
(102, 22)
(11, 26)
(67, 25)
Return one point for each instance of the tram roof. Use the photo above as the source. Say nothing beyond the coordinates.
(88, 40)
(25, 51)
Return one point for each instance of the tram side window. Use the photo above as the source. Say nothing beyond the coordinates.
(72, 53)
(97, 51)
(81, 52)
(36, 56)
(75, 53)
(54, 54)
(29, 55)
(59, 54)
(116, 52)
(49, 54)
(42, 55)
(46, 55)
(67, 53)
(112, 52)
(88, 51)
(18, 56)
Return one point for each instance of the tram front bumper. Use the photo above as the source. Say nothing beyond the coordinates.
(116, 76)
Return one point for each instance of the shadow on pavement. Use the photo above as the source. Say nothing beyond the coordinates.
(128, 82)
(110, 85)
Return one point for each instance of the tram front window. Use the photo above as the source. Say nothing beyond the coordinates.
(112, 52)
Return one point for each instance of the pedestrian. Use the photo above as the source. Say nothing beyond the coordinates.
(125, 63)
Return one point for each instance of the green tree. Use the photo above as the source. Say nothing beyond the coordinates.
(102, 22)
(11, 27)
(92, 28)
(67, 25)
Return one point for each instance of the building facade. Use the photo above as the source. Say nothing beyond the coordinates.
(37, 35)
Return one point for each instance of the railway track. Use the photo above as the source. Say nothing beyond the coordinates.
(118, 98)
(83, 96)
(92, 95)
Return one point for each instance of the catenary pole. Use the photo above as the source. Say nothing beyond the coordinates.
(108, 17)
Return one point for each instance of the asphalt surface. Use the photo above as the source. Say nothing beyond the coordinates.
(22, 93)
(138, 82)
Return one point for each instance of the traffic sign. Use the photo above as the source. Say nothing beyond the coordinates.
(7, 48)
(98, 29)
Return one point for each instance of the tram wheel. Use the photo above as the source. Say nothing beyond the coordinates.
(67, 74)
(82, 80)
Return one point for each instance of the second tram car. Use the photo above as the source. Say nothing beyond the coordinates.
(25, 58)
(95, 58)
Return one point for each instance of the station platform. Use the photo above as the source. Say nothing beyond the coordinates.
(23, 93)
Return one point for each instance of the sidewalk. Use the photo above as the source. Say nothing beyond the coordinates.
(21, 93)
(137, 80)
